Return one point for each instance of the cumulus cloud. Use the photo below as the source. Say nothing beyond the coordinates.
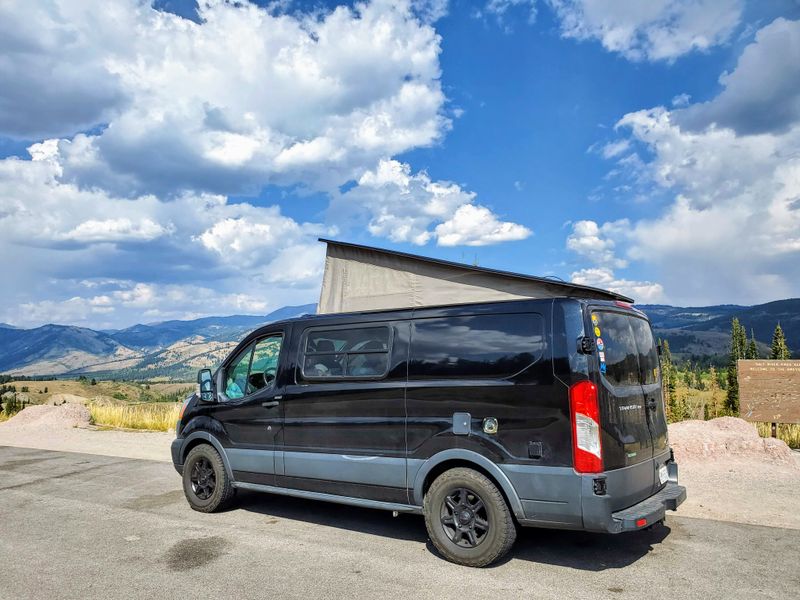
(406, 207)
(148, 122)
(643, 292)
(762, 94)
(144, 257)
(327, 94)
(731, 225)
(653, 30)
(597, 243)
(475, 225)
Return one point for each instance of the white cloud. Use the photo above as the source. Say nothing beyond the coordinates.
(643, 292)
(681, 100)
(149, 121)
(149, 302)
(730, 230)
(246, 97)
(406, 207)
(652, 29)
(762, 94)
(117, 230)
(597, 243)
(616, 148)
(502, 9)
(142, 257)
(473, 225)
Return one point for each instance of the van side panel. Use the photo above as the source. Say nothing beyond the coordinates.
(453, 372)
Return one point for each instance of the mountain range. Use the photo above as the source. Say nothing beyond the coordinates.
(176, 349)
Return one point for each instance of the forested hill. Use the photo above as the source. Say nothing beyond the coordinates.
(705, 331)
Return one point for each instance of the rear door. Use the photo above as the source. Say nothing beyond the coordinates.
(621, 337)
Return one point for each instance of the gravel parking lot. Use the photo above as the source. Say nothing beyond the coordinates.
(86, 526)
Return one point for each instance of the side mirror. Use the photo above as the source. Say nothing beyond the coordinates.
(206, 381)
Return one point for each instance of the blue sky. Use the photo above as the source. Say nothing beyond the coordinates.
(172, 162)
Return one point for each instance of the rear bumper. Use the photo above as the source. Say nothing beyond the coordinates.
(611, 502)
(648, 511)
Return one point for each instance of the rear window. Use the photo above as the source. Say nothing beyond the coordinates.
(346, 353)
(625, 348)
(480, 346)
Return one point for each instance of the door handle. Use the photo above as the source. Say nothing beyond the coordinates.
(270, 404)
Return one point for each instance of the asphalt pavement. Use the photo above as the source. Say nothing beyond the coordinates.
(88, 526)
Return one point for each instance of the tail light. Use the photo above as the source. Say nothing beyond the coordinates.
(586, 450)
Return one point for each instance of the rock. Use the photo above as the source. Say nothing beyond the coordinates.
(45, 416)
(725, 437)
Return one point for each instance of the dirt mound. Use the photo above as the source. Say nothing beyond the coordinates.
(67, 398)
(725, 438)
(45, 416)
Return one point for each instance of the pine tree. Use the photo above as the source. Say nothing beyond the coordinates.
(668, 377)
(738, 350)
(780, 351)
(752, 349)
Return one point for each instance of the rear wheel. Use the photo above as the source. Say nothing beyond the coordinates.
(205, 482)
(468, 519)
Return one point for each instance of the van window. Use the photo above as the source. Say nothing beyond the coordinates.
(346, 353)
(236, 375)
(264, 365)
(626, 347)
(482, 346)
(254, 369)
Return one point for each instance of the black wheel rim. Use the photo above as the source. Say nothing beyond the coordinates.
(203, 478)
(464, 518)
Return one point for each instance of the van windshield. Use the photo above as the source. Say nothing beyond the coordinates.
(626, 348)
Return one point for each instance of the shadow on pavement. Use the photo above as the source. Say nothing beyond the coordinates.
(573, 549)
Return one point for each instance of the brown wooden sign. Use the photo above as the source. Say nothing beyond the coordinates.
(769, 390)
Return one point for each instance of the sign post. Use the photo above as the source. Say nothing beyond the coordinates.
(769, 391)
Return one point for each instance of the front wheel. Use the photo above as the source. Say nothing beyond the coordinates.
(468, 519)
(205, 482)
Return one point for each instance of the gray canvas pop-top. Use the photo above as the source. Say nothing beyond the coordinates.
(361, 278)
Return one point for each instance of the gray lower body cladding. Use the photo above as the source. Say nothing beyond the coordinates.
(558, 497)
(553, 497)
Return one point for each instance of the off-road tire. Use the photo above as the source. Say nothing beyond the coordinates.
(501, 533)
(223, 489)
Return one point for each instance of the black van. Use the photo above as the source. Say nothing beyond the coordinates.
(482, 417)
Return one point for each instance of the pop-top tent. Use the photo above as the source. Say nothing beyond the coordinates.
(359, 278)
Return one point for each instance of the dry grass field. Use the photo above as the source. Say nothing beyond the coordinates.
(117, 404)
(152, 416)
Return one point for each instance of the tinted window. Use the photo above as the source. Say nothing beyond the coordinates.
(648, 351)
(338, 353)
(625, 348)
(487, 346)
